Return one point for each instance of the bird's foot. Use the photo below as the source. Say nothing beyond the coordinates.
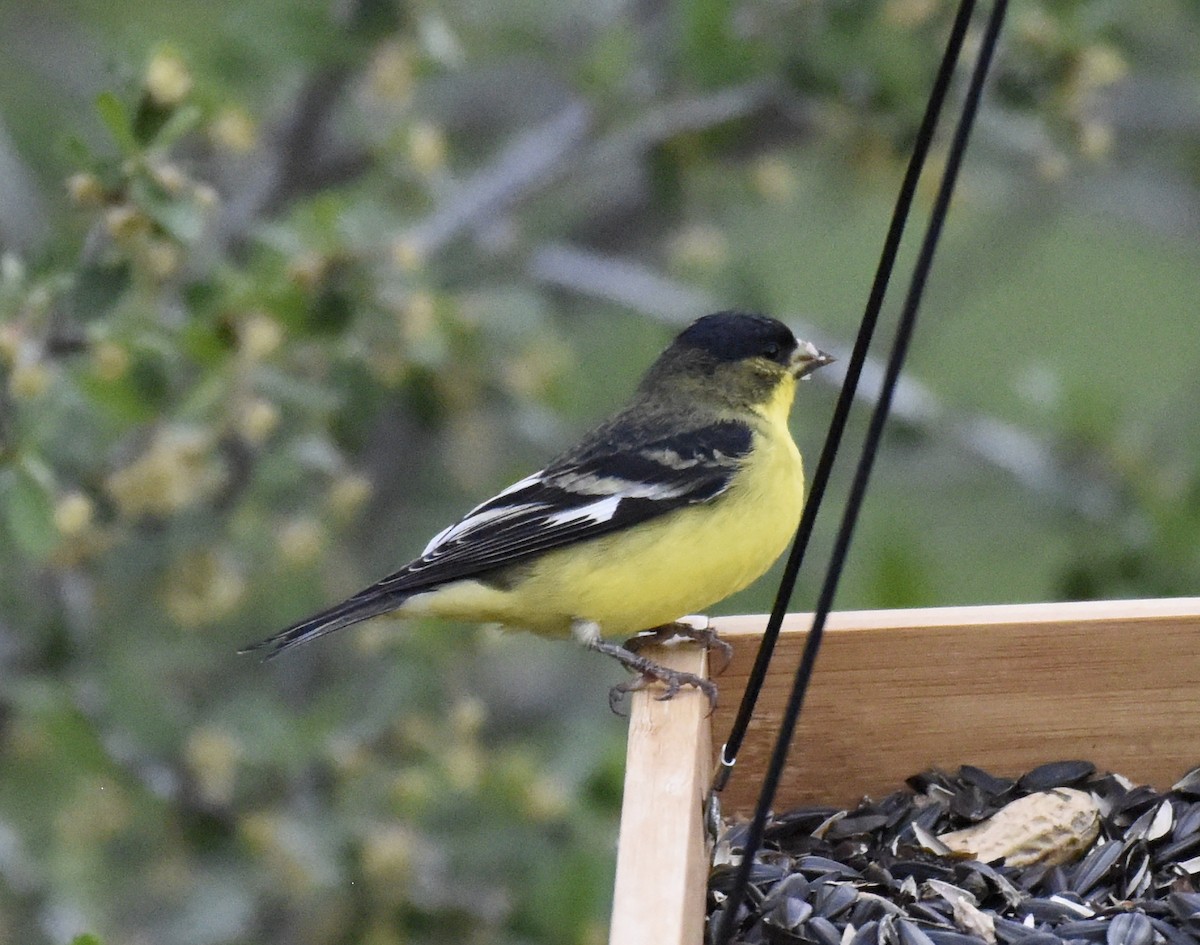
(648, 671)
(697, 628)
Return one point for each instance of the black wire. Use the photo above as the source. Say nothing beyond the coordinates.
(841, 412)
(862, 473)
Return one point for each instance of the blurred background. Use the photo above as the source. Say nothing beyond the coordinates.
(286, 286)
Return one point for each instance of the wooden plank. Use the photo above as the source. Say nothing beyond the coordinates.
(1002, 687)
(662, 852)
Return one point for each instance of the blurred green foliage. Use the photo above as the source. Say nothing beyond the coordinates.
(280, 294)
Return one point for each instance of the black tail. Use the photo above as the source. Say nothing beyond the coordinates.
(363, 605)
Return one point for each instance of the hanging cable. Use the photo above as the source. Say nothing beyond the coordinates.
(862, 473)
(841, 411)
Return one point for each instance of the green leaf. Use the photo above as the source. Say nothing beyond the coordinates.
(98, 287)
(87, 939)
(182, 120)
(180, 218)
(148, 120)
(298, 391)
(29, 515)
(117, 120)
(712, 51)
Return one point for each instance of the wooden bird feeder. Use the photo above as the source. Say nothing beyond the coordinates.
(897, 691)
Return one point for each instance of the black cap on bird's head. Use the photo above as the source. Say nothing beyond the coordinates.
(735, 336)
(750, 354)
(731, 336)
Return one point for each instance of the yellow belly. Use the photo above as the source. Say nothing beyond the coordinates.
(678, 564)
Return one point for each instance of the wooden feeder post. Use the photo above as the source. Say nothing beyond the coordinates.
(662, 854)
(1005, 688)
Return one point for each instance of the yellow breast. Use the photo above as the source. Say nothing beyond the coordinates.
(654, 573)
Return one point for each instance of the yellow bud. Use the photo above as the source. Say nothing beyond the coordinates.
(170, 177)
(349, 755)
(300, 541)
(1100, 65)
(547, 799)
(124, 222)
(391, 72)
(407, 254)
(388, 854)
(417, 318)
(908, 14)
(773, 179)
(85, 190)
(110, 360)
(1036, 28)
(260, 831)
(285, 847)
(426, 148)
(29, 379)
(419, 315)
(98, 811)
(205, 196)
(308, 270)
(387, 366)
(258, 420)
(167, 80)
(179, 469)
(463, 766)
(212, 756)
(376, 635)
(414, 788)
(348, 493)
(594, 932)
(1095, 139)
(73, 514)
(234, 130)
(1053, 166)
(468, 716)
(259, 335)
(531, 372)
(161, 259)
(699, 246)
(202, 587)
(12, 338)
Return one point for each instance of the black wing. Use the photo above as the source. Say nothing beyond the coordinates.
(579, 499)
(605, 486)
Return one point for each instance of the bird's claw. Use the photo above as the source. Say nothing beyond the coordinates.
(646, 671)
(673, 680)
(703, 634)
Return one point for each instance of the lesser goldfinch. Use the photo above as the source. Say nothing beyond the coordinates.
(679, 500)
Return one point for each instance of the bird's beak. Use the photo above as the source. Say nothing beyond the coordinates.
(808, 358)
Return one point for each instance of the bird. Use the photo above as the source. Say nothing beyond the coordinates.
(685, 496)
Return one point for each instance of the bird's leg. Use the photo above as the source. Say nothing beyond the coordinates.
(697, 628)
(589, 634)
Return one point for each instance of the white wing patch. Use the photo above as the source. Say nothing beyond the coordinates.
(588, 484)
(599, 512)
(613, 488)
(579, 498)
(477, 517)
(517, 486)
(473, 521)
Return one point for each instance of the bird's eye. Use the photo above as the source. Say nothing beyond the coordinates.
(771, 350)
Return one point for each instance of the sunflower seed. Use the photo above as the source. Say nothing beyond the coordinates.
(1189, 784)
(1056, 774)
(1088, 930)
(878, 874)
(1130, 928)
(1094, 866)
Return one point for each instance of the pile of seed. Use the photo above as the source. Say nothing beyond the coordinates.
(877, 875)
